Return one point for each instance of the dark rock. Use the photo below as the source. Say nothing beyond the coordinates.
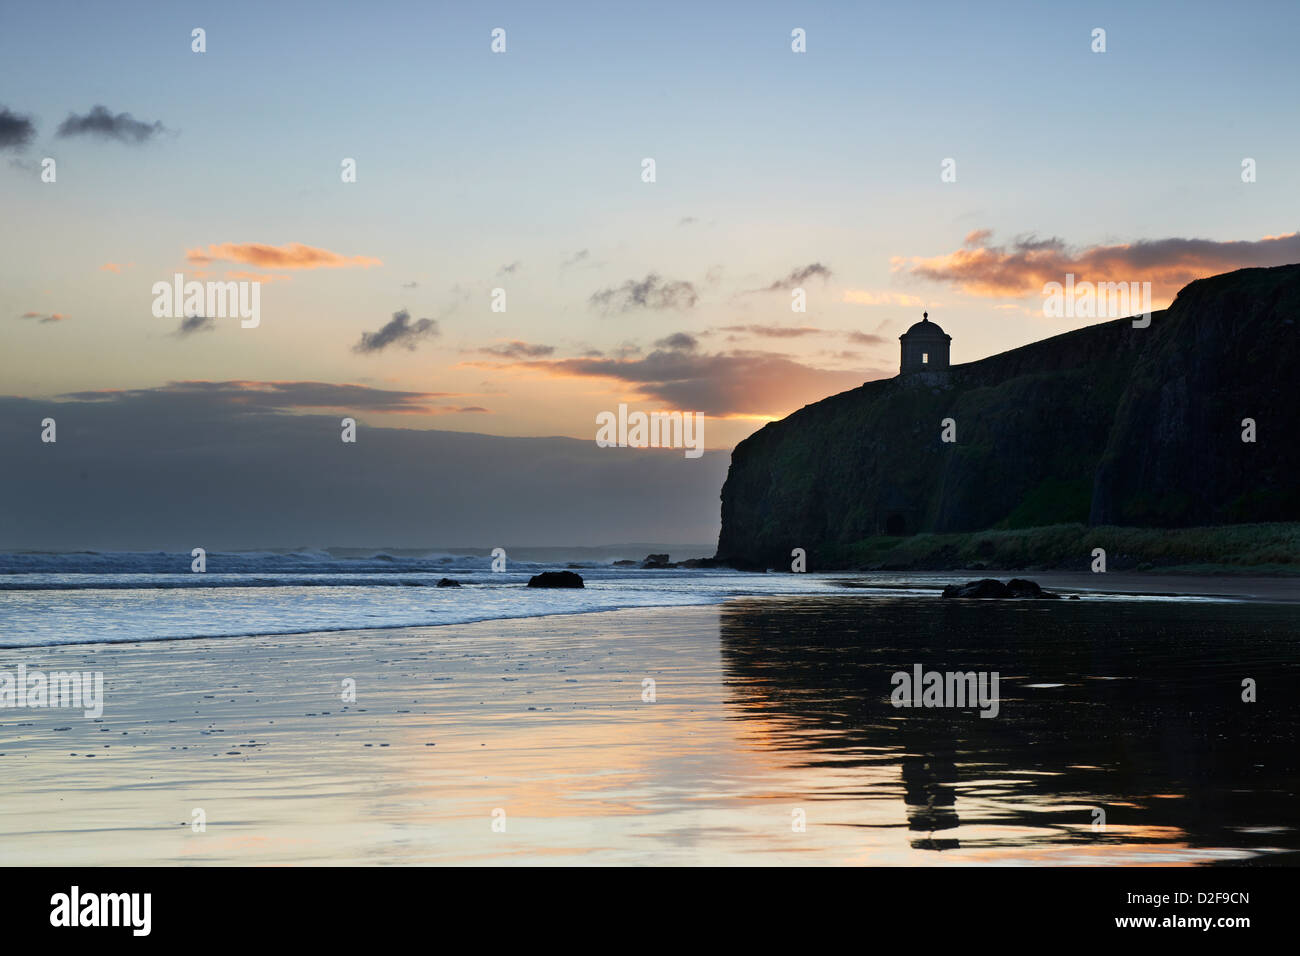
(448, 583)
(983, 588)
(702, 563)
(992, 588)
(1021, 588)
(656, 561)
(555, 579)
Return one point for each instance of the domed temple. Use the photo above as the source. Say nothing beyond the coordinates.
(925, 347)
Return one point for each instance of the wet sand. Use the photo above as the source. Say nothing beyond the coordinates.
(764, 709)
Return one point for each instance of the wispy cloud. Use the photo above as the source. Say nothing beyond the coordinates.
(773, 331)
(44, 316)
(399, 330)
(866, 338)
(294, 255)
(517, 349)
(255, 396)
(799, 276)
(801, 331)
(1027, 263)
(101, 123)
(653, 292)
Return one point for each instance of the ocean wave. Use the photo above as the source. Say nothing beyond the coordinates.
(246, 562)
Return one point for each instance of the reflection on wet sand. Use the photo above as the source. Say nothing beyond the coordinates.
(770, 739)
(1131, 709)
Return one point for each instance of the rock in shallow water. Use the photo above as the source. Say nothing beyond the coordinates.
(556, 579)
(448, 583)
(992, 588)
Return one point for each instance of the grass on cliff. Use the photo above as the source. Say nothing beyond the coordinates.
(1246, 548)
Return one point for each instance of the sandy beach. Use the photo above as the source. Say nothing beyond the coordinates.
(543, 720)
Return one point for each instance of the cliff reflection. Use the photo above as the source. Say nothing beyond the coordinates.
(1133, 708)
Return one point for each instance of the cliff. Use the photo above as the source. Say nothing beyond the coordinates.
(1109, 424)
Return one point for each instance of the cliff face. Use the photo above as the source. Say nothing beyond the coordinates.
(1108, 424)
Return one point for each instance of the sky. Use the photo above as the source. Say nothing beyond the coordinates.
(522, 171)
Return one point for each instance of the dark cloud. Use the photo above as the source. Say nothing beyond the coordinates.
(410, 285)
(399, 331)
(509, 269)
(44, 316)
(100, 122)
(195, 323)
(798, 277)
(652, 292)
(250, 396)
(577, 257)
(16, 131)
(678, 341)
(517, 349)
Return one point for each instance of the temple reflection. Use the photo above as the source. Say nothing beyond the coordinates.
(1131, 708)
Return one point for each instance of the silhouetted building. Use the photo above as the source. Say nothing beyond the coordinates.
(925, 347)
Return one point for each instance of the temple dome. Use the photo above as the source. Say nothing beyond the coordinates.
(925, 327)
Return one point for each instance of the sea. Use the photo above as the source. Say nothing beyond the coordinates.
(93, 597)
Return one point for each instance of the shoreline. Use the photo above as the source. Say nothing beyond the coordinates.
(1255, 589)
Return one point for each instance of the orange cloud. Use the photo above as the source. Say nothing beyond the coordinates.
(45, 316)
(1028, 263)
(736, 384)
(115, 267)
(292, 256)
(257, 276)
